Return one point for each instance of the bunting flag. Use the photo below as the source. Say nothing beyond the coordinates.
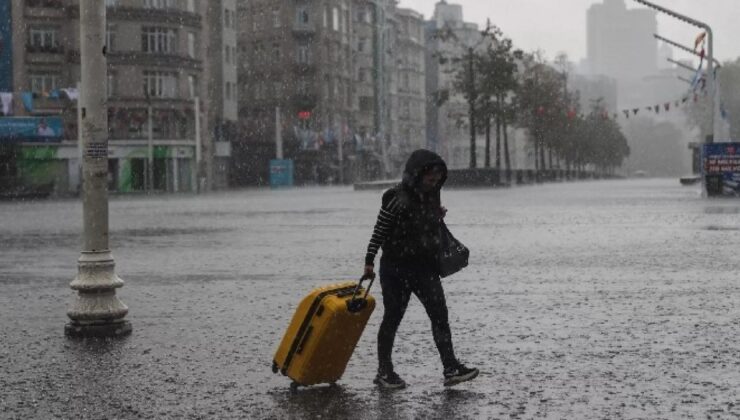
(635, 111)
(7, 102)
(626, 113)
(667, 106)
(27, 98)
(657, 109)
(699, 40)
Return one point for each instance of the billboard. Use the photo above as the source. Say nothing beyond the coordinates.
(6, 48)
(31, 129)
(721, 168)
(281, 173)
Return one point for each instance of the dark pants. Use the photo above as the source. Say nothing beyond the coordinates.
(399, 281)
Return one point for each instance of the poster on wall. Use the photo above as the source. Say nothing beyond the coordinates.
(721, 169)
(6, 51)
(31, 129)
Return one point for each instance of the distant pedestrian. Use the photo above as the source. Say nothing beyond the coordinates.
(408, 232)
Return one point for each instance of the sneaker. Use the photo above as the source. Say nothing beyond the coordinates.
(389, 380)
(459, 373)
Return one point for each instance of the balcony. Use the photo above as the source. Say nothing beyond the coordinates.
(304, 29)
(138, 58)
(37, 54)
(173, 16)
(54, 4)
(304, 68)
(54, 9)
(304, 101)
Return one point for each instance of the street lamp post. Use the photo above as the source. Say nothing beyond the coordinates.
(710, 59)
(96, 311)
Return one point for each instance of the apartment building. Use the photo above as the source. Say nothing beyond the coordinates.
(159, 53)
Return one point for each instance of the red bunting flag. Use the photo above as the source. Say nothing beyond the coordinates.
(699, 39)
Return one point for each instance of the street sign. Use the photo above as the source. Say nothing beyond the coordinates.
(721, 169)
(281, 173)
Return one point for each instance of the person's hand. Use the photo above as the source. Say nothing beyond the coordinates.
(369, 272)
(443, 212)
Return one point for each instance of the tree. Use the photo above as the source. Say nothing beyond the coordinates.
(498, 67)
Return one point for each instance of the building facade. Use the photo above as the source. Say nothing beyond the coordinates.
(330, 70)
(294, 66)
(448, 130)
(411, 81)
(156, 52)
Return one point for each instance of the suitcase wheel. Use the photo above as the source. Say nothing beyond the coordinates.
(275, 367)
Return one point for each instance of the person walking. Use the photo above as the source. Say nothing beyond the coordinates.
(408, 232)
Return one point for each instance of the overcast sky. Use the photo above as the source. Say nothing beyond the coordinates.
(560, 25)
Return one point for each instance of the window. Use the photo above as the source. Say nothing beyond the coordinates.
(302, 54)
(326, 16)
(335, 19)
(361, 42)
(227, 54)
(302, 85)
(277, 88)
(229, 19)
(366, 103)
(190, 7)
(191, 44)
(227, 90)
(110, 38)
(259, 91)
(276, 51)
(276, 18)
(192, 86)
(43, 37)
(43, 82)
(302, 16)
(110, 88)
(111, 3)
(160, 84)
(158, 40)
(159, 4)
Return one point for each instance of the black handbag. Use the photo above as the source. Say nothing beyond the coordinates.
(453, 255)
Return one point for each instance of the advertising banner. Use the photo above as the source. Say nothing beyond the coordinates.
(31, 129)
(6, 50)
(281, 173)
(721, 168)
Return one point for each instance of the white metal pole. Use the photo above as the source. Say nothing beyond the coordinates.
(79, 136)
(150, 152)
(714, 94)
(96, 311)
(278, 134)
(175, 173)
(198, 155)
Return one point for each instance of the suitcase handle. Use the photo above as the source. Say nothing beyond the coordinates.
(355, 304)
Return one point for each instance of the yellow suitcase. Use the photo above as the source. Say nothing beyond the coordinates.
(323, 333)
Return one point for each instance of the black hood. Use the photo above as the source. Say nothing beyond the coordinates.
(419, 162)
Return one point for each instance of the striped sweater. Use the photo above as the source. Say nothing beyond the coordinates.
(387, 220)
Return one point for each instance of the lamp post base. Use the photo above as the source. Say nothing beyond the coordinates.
(119, 328)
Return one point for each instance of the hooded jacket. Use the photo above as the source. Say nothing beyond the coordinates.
(408, 225)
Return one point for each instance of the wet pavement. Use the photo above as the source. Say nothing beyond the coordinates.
(612, 299)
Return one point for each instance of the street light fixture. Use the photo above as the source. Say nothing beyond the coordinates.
(682, 65)
(684, 48)
(710, 57)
